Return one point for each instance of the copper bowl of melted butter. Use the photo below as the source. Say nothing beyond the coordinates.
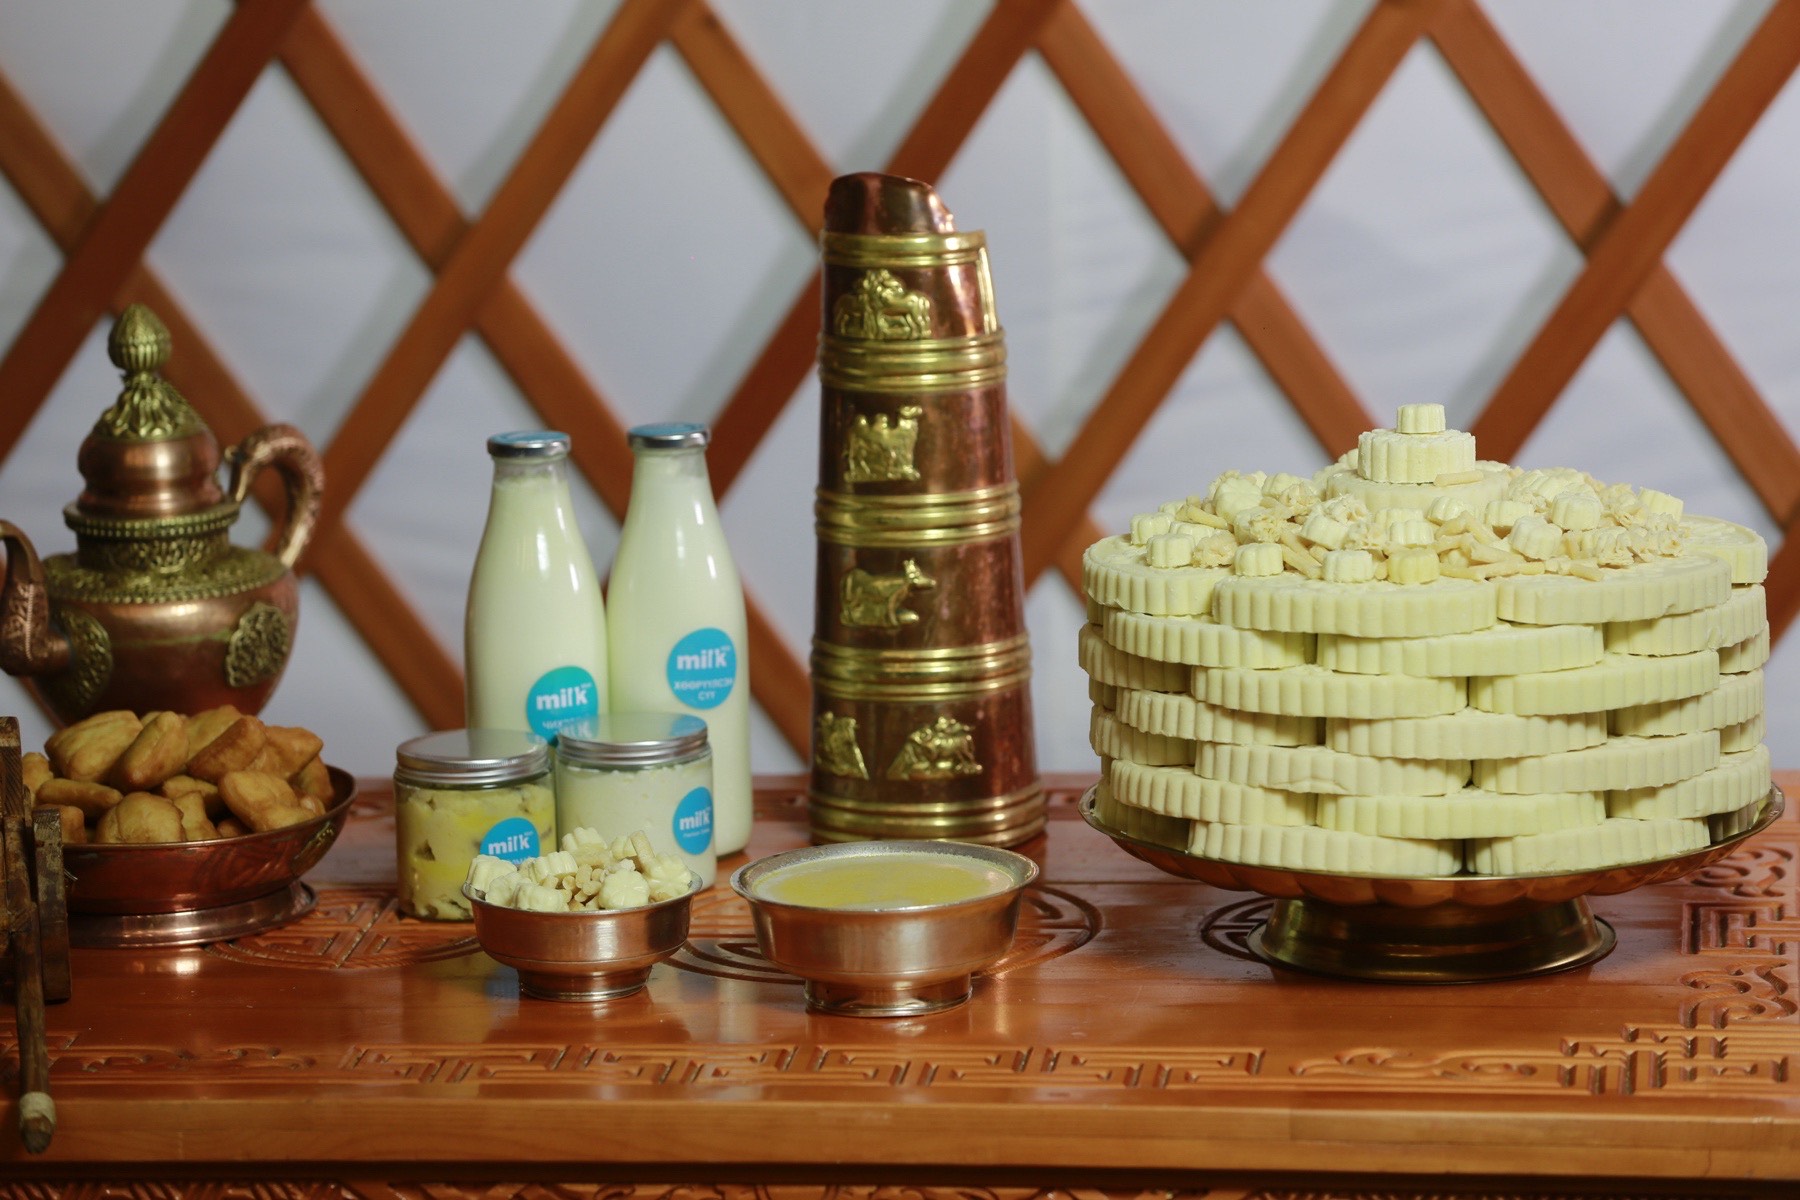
(885, 929)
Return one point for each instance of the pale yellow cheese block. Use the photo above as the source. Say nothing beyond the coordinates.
(1096, 611)
(1311, 691)
(1608, 844)
(1500, 650)
(1465, 814)
(1178, 792)
(1110, 738)
(1737, 699)
(1616, 681)
(1139, 823)
(1725, 826)
(1636, 593)
(1614, 765)
(1343, 480)
(1739, 779)
(1317, 769)
(1293, 603)
(1747, 655)
(1103, 695)
(1333, 851)
(1743, 550)
(1468, 733)
(1114, 574)
(1204, 643)
(1734, 738)
(1745, 612)
(1185, 717)
(1109, 664)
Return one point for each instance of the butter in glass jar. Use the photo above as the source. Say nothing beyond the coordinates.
(465, 792)
(622, 772)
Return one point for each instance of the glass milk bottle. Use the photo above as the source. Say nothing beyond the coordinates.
(677, 629)
(534, 631)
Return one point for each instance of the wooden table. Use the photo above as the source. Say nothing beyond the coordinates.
(1128, 1042)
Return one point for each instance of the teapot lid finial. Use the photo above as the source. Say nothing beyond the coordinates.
(148, 408)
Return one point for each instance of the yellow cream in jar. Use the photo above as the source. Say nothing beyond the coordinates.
(882, 881)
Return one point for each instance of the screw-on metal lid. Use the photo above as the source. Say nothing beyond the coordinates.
(469, 757)
(633, 739)
(529, 443)
(670, 435)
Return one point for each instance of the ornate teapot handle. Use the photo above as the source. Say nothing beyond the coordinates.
(287, 450)
(28, 646)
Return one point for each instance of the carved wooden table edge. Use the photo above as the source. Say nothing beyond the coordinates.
(1705, 1096)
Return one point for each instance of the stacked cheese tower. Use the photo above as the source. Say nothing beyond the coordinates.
(1418, 663)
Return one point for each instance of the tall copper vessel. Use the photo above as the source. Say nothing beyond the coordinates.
(920, 665)
(156, 609)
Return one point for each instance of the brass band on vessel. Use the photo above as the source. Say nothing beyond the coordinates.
(934, 519)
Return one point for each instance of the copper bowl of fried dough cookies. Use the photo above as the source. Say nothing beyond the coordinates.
(167, 813)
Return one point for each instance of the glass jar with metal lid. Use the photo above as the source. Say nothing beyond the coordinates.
(626, 771)
(465, 792)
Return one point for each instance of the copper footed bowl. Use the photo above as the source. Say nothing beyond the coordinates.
(583, 956)
(179, 877)
(887, 962)
(1431, 929)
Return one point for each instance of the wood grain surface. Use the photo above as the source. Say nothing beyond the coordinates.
(1128, 1031)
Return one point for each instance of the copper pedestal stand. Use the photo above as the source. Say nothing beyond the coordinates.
(1440, 929)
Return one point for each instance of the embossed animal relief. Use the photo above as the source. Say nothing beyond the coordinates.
(881, 309)
(944, 749)
(835, 749)
(875, 601)
(881, 451)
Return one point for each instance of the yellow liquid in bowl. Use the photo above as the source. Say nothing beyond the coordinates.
(868, 882)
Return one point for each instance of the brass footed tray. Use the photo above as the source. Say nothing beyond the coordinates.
(1433, 929)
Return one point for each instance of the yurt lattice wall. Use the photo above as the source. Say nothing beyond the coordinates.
(587, 215)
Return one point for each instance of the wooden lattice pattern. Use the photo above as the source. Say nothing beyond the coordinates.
(104, 240)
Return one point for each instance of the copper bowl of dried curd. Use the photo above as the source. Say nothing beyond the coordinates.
(886, 929)
(184, 877)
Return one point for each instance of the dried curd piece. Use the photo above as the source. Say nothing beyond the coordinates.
(1727, 624)
(1609, 844)
(1311, 691)
(1738, 780)
(1109, 664)
(1116, 574)
(1204, 643)
(1617, 681)
(1737, 699)
(1139, 823)
(1614, 765)
(1387, 456)
(1469, 733)
(1748, 655)
(1195, 720)
(1178, 792)
(1725, 826)
(1742, 736)
(1290, 603)
(1635, 593)
(1325, 771)
(1500, 650)
(1465, 814)
(1103, 695)
(1743, 550)
(1308, 848)
(1110, 739)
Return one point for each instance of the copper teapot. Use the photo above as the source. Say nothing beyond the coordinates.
(156, 609)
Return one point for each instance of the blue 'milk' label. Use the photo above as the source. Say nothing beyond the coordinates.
(560, 698)
(703, 668)
(693, 822)
(513, 839)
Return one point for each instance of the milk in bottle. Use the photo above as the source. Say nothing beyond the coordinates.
(676, 632)
(534, 631)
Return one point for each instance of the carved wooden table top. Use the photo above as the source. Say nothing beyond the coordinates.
(1128, 1030)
